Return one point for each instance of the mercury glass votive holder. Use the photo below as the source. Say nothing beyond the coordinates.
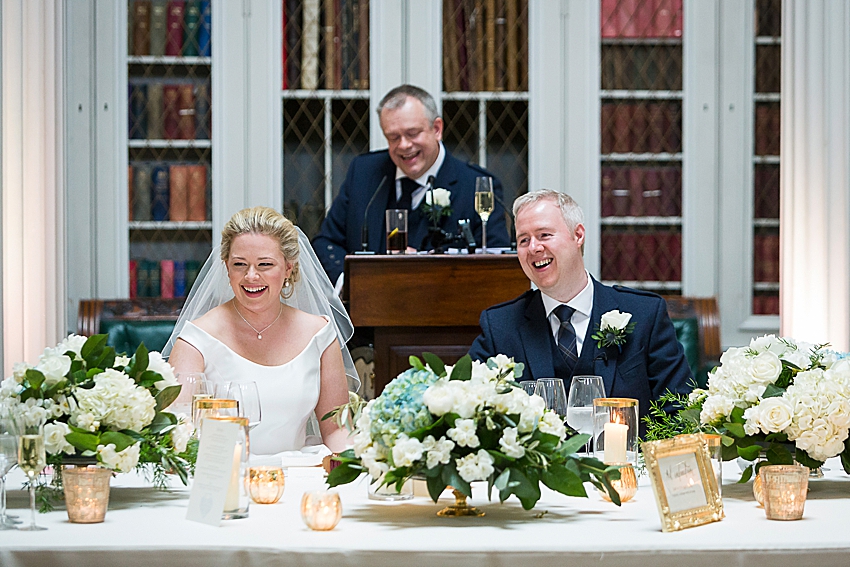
(265, 484)
(86, 493)
(626, 485)
(615, 430)
(784, 491)
(321, 511)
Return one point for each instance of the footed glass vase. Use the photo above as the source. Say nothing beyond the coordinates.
(460, 507)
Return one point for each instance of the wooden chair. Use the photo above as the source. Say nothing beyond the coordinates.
(129, 322)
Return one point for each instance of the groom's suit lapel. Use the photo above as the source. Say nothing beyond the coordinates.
(600, 362)
(534, 331)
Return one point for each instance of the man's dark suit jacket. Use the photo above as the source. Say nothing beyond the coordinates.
(652, 360)
(341, 230)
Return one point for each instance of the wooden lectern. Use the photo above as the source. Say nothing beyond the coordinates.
(426, 303)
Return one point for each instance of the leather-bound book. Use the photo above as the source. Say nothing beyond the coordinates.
(166, 281)
(178, 198)
(159, 193)
(174, 32)
(193, 25)
(141, 201)
(159, 26)
(141, 27)
(186, 112)
(154, 111)
(197, 193)
(169, 112)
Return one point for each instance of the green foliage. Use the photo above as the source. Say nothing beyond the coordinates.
(672, 414)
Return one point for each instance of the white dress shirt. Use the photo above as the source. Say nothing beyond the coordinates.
(418, 195)
(583, 305)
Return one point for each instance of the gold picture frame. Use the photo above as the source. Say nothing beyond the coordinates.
(683, 481)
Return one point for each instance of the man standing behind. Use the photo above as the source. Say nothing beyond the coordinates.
(414, 132)
(550, 329)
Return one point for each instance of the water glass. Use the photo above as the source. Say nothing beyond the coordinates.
(583, 390)
(553, 393)
(396, 220)
(8, 459)
(528, 386)
(247, 397)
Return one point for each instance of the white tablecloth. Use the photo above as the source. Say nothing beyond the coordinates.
(146, 527)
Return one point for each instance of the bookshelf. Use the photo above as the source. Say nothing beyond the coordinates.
(169, 144)
(766, 92)
(325, 101)
(485, 87)
(641, 100)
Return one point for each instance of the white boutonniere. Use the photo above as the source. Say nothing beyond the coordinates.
(438, 204)
(613, 328)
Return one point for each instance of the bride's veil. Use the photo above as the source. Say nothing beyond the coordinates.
(313, 293)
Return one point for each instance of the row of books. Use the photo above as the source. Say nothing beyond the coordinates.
(641, 67)
(765, 305)
(169, 27)
(325, 44)
(162, 278)
(766, 185)
(641, 256)
(162, 192)
(641, 191)
(167, 111)
(766, 257)
(641, 18)
(641, 127)
(485, 45)
(767, 129)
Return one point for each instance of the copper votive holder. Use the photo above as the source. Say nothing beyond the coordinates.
(86, 493)
(784, 491)
(265, 484)
(321, 511)
(626, 486)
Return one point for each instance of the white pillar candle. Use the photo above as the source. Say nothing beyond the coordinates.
(231, 502)
(615, 442)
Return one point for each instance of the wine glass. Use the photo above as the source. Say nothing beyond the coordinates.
(583, 390)
(31, 459)
(528, 386)
(8, 458)
(484, 204)
(553, 393)
(194, 386)
(248, 398)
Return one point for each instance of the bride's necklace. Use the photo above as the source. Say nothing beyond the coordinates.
(259, 333)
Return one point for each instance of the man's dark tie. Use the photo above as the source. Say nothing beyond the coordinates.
(408, 186)
(567, 336)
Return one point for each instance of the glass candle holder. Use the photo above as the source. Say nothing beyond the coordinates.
(615, 430)
(212, 407)
(86, 493)
(265, 484)
(388, 493)
(715, 451)
(784, 491)
(626, 485)
(321, 511)
(237, 500)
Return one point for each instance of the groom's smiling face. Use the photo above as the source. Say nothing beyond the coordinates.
(549, 250)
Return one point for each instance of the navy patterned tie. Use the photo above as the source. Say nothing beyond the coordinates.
(408, 186)
(567, 337)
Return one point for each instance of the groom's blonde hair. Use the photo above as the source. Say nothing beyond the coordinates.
(267, 221)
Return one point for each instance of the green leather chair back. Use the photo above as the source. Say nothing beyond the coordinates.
(126, 336)
(687, 332)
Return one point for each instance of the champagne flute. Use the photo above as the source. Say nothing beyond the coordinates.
(194, 386)
(31, 459)
(484, 204)
(583, 390)
(553, 393)
(247, 396)
(8, 458)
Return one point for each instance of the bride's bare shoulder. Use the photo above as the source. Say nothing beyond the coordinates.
(214, 320)
(307, 322)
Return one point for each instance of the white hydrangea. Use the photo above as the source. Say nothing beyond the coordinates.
(510, 444)
(475, 466)
(115, 401)
(121, 461)
(464, 433)
(406, 451)
(54, 438)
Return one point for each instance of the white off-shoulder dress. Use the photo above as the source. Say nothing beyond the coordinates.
(288, 393)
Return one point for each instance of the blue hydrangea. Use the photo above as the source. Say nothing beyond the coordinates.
(400, 409)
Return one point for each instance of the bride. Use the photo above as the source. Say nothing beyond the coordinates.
(265, 311)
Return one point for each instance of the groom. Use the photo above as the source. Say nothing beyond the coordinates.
(550, 328)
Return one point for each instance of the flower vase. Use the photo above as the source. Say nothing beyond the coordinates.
(460, 507)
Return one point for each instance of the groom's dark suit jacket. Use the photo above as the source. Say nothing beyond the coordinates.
(651, 362)
(341, 230)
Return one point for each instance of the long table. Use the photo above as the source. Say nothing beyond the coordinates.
(145, 527)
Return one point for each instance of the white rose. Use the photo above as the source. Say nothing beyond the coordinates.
(509, 443)
(464, 433)
(766, 367)
(54, 367)
(615, 320)
(511, 402)
(553, 425)
(531, 414)
(54, 438)
(799, 358)
(406, 451)
(439, 398)
(157, 364)
(768, 343)
(73, 343)
(442, 197)
(181, 434)
(775, 414)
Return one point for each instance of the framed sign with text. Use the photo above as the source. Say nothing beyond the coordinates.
(683, 481)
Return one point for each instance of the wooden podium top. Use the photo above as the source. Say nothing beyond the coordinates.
(435, 290)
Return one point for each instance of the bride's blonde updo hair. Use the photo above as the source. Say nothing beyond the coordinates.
(263, 220)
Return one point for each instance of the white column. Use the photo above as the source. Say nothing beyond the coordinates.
(564, 107)
(32, 193)
(386, 54)
(815, 182)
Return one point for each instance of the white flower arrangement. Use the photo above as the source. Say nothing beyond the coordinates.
(469, 422)
(102, 407)
(779, 391)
